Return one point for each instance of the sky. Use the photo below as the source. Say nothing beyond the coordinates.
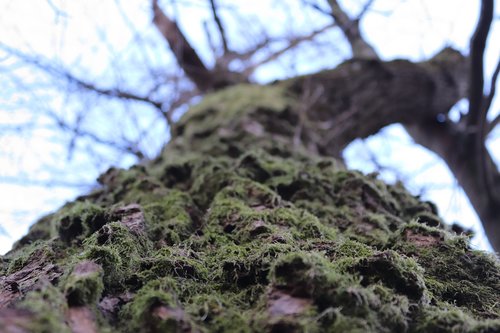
(67, 32)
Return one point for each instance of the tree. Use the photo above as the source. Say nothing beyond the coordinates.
(245, 222)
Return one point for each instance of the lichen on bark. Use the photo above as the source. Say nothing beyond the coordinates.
(239, 226)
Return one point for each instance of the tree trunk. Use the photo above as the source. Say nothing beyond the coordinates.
(245, 223)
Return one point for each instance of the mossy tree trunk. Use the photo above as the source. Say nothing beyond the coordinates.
(245, 223)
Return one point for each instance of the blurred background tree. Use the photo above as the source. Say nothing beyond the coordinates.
(91, 84)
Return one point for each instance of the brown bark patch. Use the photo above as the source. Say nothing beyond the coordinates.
(15, 285)
(175, 316)
(422, 240)
(132, 217)
(15, 320)
(85, 268)
(111, 305)
(282, 304)
(81, 320)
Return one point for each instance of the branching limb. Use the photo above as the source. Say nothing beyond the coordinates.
(116, 93)
(71, 78)
(442, 139)
(474, 141)
(350, 28)
(125, 147)
(293, 43)
(204, 78)
(185, 54)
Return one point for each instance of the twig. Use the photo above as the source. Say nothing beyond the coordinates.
(491, 95)
(494, 123)
(291, 44)
(220, 27)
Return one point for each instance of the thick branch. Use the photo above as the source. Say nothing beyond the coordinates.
(185, 54)
(477, 113)
(205, 79)
(449, 142)
(362, 96)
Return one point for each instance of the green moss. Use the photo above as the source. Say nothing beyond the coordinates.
(240, 230)
(155, 309)
(236, 102)
(118, 251)
(218, 314)
(174, 262)
(402, 274)
(85, 285)
(172, 218)
(437, 320)
(79, 221)
(47, 306)
(22, 256)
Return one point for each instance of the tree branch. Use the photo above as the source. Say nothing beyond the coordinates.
(116, 93)
(291, 44)
(494, 123)
(443, 139)
(491, 94)
(350, 28)
(185, 54)
(220, 27)
(473, 141)
(63, 73)
(477, 113)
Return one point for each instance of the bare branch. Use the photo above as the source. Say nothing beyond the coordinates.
(491, 94)
(116, 93)
(366, 8)
(477, 113)
(185, 54)
(129, 148)
(476, 117)
(350, 28)
(291, 44)
(57, 11)
(61, 72)
(494, 123)
(220, 27)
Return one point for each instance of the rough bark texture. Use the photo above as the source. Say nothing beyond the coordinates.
(243, 224)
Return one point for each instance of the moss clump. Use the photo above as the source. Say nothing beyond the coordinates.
(118, 251)
(402, 274)
(155, 309)
(46, 307)
(172, 218)
(234, 228)
(436, 320)
(84, 286)
(80, 221)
